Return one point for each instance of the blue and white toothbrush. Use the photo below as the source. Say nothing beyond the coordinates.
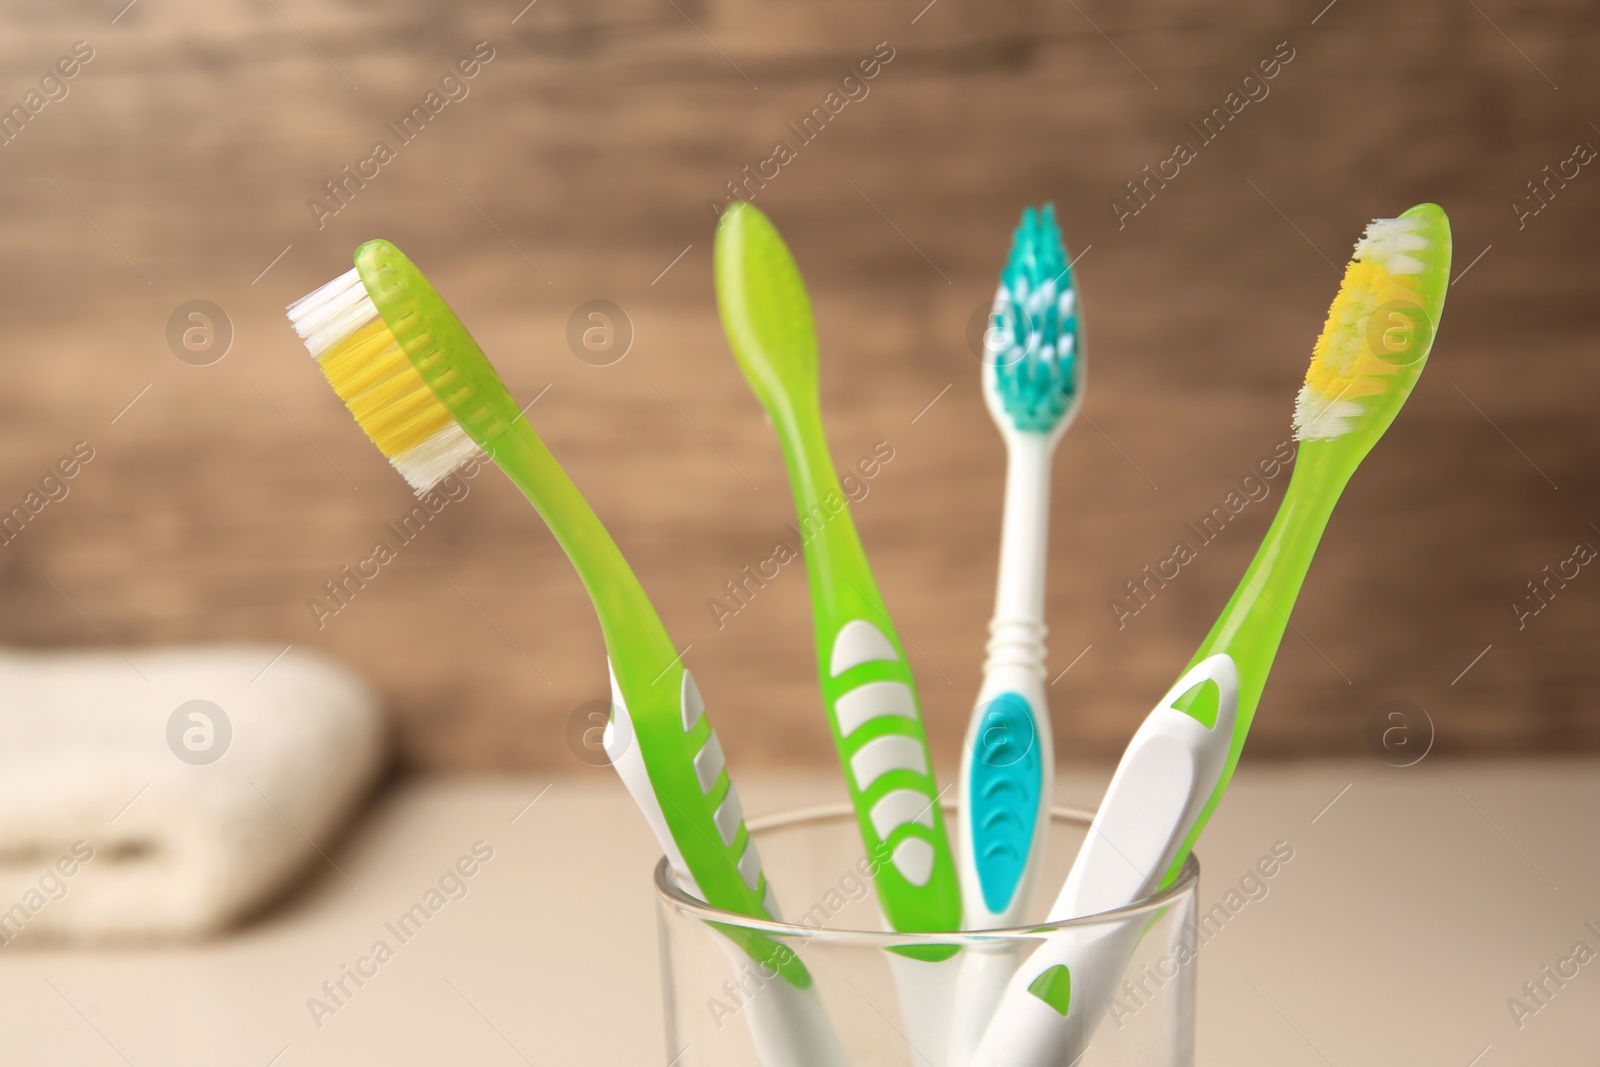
(1032, 380)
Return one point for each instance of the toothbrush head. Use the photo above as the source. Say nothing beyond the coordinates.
(765, 311)
(394, 352)
(1032, 356)
(1379, 330)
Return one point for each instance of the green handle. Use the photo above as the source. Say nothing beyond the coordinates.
(650, 676)
(866, 682)
(844, 594)
(1252, 625)
(842, 586)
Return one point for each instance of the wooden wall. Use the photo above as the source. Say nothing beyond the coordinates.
(180, 163)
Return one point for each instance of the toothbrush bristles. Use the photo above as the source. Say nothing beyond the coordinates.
(361, 359)
(1032, 347)
(1375, 328)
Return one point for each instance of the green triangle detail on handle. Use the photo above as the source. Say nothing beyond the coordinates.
(1054, 987)
(1201, 703)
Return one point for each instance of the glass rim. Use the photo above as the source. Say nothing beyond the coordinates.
(670, 892)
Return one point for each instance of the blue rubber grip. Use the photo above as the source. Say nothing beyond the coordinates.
(1006, 780)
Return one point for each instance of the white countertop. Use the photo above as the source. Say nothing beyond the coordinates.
(1415, 906)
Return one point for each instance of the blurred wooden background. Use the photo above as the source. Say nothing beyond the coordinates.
(180, 163)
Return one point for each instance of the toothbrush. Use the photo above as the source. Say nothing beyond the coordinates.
(867, 685)
(1371, 351)
(422, 389)
(866, 682)
(1032, 383)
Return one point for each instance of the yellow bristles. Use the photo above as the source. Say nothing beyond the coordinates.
(1376, 324)
(383, 391)
(1345, 356)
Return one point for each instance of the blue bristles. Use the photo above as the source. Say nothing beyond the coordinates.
(1035, 347)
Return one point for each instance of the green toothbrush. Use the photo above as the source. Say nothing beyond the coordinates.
(867, 684)
(423, 390)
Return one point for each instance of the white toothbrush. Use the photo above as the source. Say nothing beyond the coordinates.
(1032, 379)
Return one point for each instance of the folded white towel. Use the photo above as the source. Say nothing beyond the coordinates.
(129, 811)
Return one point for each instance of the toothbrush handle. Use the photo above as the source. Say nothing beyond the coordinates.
(665, 751)
(1024, 532)
(1252, 625)
(1007, 771)
(659, 739)
(1065, 1000)
(1007, 767)
(980, 988)
(789, 1026)
(1008, 761)
(871, 697)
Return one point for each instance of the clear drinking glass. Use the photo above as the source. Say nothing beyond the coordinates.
(726, 1009)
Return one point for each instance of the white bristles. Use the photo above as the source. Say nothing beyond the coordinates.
(332, 312)
(1317, 419)
(1388, 242)
(1037, 300)
(435, 459)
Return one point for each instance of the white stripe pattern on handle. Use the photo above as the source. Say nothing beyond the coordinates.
(859, 642)
(873, 700)
(728, 818)
(881, 755)
(690, 700)
(900, 807)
